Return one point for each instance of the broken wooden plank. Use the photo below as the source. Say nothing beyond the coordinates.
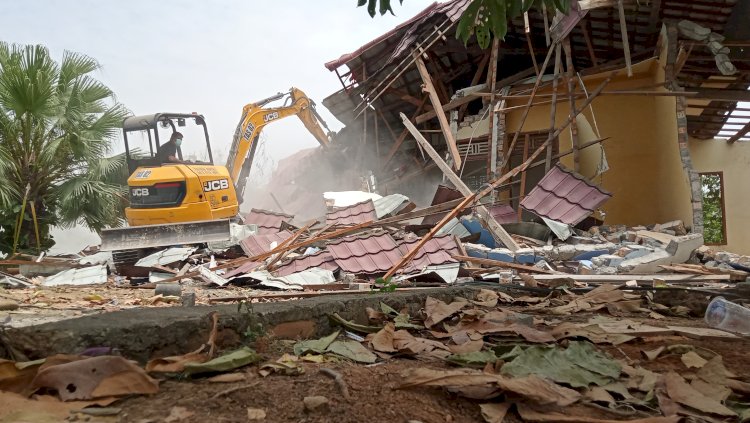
(444, 125)
(495, 228)
(498, 263)
(553, 106)
(641, 278)
(487, 190)
(625, 42)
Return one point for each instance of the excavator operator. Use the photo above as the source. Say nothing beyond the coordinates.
(167, 152)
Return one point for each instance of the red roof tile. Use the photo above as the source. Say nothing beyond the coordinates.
(376, 254)
(259, 244)
(564, 196)
(352, 215)
(504, 213)
(322, 259)
(268, 222)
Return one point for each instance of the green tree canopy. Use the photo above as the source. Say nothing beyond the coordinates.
(483, 18)
(56, 126)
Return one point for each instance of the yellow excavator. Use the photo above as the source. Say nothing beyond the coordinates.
(184, 202)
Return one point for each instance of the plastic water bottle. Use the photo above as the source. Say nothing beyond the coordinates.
(729, 316)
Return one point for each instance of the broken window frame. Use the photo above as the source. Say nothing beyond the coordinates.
(722, 204)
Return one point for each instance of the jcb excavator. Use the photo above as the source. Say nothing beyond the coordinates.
(188, 202)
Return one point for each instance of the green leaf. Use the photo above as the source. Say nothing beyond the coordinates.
(498, 19)
(385, 308)
(352, 350)
(315, 345)
(224, 363)
(361, 3)
(371, 6)
(335, 318)
(402, 321)
(527, 5)
(483, 36)
(465, 26)
(385, 6)
(515, 9)
(580, 365)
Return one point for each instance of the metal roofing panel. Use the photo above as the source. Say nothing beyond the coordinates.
(267, 221)
(322, 259)
(438, 250)
(258, 244)
(85, 276)
(564, 196)
(374, 254)
(352, 215)
(295, 281)
(443, 194)
(504, 213)
(164, 257)
(389, 204)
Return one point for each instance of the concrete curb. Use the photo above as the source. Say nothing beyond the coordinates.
(141, 334)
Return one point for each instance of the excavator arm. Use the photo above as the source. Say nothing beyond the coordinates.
(255, 116)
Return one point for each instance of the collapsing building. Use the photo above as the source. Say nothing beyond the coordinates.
(623, 112)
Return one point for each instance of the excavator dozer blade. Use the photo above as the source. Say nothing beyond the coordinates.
(139, 237)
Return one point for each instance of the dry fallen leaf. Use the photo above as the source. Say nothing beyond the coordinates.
(684, 394)
(530, 414)
(494, 412)
(652, 354)
(437, 311)
(691, 359)
(467, 347)
(383, 340)
(486, 298)
(95, 377)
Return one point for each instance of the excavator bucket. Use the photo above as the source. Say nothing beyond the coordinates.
(151, 236)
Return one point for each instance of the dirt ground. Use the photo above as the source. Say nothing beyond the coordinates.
(375, 396)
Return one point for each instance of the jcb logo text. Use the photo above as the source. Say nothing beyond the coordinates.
(215, 185)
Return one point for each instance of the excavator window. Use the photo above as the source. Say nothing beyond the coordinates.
(143, 135)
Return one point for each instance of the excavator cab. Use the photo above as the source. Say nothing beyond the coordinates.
(143, 135)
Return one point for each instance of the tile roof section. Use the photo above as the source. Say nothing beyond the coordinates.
(258, 244)
(322, 259)
(376, 254)
(504, 213)
(268, 222)
(564, 196)
(438, 250)
(352, 215)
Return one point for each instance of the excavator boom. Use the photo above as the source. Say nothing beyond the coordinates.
(255, 116)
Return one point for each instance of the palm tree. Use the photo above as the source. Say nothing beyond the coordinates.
(56, 126)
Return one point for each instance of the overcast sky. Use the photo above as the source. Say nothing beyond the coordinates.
(210, 57)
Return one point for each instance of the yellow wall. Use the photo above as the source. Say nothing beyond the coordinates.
(645, 175)
(734, 160)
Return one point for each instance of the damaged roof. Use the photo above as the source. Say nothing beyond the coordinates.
(267, 221)
(322, 259)
(258, 244)
(564, 196)
(352, 215)
(376, 254)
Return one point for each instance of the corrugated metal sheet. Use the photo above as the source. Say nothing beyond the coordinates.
(390, 204)
(447, 272)
(322, 259)
(245, 268)
(296, 281)
(259, 244)
(375, 254)
(564, 196)
(94, 275)
(267, 221)
(164, 257)
(454, 227)
(352, 215)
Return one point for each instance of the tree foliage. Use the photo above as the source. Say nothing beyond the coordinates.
(56, 126)
(713, 216)
(483, 18)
